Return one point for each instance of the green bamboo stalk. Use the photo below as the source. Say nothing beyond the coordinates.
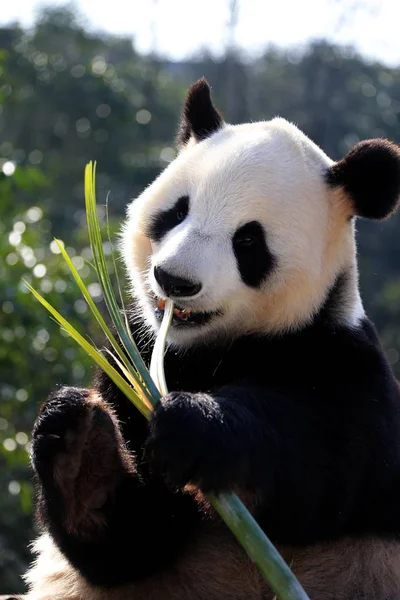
(236, 516)
(258, 547)
(232, 511)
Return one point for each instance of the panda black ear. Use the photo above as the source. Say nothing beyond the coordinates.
(370, 175)
(199, 117)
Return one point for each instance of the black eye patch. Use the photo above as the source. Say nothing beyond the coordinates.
(168, 219)
(254, 258)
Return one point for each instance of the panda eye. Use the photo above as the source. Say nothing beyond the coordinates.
(246, 241)
(248, 237)
(166, 220)
(181, 209)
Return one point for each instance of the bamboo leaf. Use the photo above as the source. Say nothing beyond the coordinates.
(124, 311)
(93, 353)
(95, 310)
(105, 282)
(132, 381)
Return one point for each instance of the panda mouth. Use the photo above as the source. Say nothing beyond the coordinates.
(184, 316)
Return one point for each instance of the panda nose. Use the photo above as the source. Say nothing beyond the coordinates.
(175, 286)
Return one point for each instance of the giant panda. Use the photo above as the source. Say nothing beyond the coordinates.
(279, 388)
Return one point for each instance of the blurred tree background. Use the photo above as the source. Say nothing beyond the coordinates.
(67, 97)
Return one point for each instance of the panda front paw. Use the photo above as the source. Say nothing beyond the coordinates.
(59, 429)
(78, 455)
(189, 443)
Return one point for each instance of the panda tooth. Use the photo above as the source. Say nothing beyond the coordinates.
(182, 313)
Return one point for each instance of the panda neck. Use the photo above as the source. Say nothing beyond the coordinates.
(308, 351)
(343, 305)
(307, 356)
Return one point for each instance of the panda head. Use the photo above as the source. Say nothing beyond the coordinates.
(249, 228)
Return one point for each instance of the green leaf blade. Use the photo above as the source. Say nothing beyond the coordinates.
(106, 285)
(93, 353)
(115, 345)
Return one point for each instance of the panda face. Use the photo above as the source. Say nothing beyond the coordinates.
(241, 232)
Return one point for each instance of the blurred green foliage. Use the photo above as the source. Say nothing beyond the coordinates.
(68, 96)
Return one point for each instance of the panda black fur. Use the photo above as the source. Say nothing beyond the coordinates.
(280, 388)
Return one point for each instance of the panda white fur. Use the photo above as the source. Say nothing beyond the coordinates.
(280, 388)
